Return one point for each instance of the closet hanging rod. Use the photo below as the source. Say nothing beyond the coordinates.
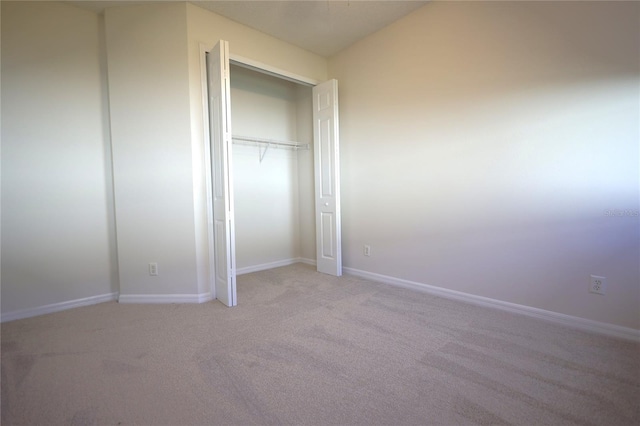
(288, 144)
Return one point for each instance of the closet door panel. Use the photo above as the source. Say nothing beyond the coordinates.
(327, 178)
(220, 133)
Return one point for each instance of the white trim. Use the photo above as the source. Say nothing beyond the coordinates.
(584, 324)
(271, 70)
(271, 265)
(57, 307)
(311, 262)
(165, 298)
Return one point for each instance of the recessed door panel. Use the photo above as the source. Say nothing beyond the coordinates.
(328, 242)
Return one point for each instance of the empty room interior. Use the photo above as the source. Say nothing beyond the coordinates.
(459, 245)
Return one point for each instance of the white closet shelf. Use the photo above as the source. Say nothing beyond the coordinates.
(271, 142)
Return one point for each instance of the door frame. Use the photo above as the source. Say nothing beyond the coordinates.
(269, 70)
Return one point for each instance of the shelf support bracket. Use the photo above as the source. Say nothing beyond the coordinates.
(263, 153)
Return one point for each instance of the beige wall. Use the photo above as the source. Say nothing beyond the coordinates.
(306, 183)
(482, 144)
(151, 140)
(58, 240)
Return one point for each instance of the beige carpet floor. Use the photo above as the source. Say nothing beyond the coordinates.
(303, 348)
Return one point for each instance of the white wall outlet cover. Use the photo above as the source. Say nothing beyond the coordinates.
(153, 269)
(597, 285)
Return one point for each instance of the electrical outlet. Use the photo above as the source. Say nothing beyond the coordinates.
(597, 285)
(367, 250)
(153, 269)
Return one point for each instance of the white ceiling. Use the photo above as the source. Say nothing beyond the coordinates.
(321, 26)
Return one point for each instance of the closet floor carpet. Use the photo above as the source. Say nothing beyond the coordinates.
(304, 348)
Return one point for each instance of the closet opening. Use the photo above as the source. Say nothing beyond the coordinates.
(274, 175)
(273, 181)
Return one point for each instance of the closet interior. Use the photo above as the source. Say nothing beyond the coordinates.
(272, 170)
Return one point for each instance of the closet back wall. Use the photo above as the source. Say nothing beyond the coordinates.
(268, 193)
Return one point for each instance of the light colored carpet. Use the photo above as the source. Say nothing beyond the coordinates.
(304, 348)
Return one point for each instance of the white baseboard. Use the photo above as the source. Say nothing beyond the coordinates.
(271, 265)
(312, 262)
(568, 320)
(164, 298)
(57, 307)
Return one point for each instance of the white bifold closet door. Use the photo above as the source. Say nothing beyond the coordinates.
(327, 177)
(222, 183)
(326, 167)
